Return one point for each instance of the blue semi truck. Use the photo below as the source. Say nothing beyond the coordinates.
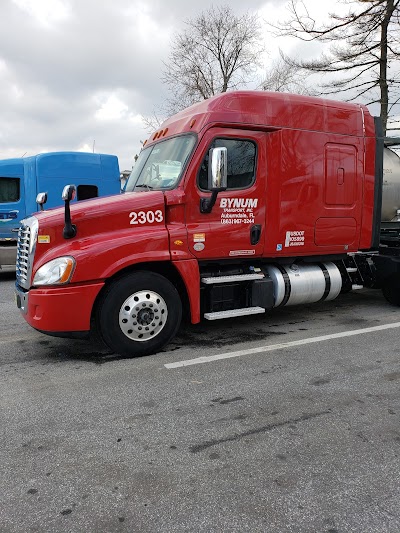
(21, 179)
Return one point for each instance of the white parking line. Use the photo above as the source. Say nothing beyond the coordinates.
(280, 346)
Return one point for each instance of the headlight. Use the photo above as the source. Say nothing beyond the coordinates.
(55, 272)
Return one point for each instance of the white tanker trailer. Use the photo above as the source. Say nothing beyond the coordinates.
(391, 187)
(390, 215)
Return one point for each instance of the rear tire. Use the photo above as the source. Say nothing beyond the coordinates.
(391, 290)
(139, 314)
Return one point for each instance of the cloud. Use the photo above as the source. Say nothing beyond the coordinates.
(44, 12)
(75, 73)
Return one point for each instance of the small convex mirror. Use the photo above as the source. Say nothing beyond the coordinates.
(68, 193)
(41, 199)
(217, 169)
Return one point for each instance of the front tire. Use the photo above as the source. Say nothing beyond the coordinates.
(139, 314)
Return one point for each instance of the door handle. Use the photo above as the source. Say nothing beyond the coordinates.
(255, 233)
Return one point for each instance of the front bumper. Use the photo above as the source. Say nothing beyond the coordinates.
(56, 310)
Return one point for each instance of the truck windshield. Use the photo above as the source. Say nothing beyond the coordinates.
(160, 166)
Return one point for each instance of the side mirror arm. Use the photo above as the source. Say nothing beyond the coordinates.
(206, 204)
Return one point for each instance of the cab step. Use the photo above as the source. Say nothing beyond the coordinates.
(352, 269)
(356, 287)
(234, 312)
(229, 279)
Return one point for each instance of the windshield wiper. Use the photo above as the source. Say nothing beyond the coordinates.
(148, 187)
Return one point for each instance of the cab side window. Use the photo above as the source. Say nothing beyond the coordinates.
(241, 163)
(9, 190)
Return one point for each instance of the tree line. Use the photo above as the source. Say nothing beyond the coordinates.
(219, 50)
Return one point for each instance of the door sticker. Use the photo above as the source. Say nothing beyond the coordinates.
(238, 210)
(234, 253)
(294, 238)
(199, 237)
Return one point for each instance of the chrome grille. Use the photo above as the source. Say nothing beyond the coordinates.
(24, 236)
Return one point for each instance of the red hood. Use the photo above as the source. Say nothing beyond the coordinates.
(106, 207)
(116, 226)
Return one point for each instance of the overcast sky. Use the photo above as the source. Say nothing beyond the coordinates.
(80, 74)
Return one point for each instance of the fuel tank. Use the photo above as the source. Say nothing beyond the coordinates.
(304, 283)
(391, 186)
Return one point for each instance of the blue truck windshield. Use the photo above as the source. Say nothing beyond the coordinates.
(160, 166)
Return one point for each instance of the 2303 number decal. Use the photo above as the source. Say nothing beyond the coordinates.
(146, 217)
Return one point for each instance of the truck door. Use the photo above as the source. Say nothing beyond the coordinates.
(235, 227)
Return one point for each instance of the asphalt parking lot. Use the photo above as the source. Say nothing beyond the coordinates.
(285, 423)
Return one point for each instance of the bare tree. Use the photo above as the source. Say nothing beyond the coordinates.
(217, 51)
(152, 122)
(284, 76)
(364, 49)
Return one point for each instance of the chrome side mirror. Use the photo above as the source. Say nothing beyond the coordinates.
(41, 199)
(218, 169)
(217, 177)
(69, 193)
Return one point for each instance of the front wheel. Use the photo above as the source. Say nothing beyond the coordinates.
(139, 314)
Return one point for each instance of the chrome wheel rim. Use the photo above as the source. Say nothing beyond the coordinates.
(143, 315)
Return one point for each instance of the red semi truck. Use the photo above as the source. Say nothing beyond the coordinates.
(239, 204)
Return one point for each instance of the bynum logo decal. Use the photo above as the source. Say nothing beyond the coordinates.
(236, 203)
